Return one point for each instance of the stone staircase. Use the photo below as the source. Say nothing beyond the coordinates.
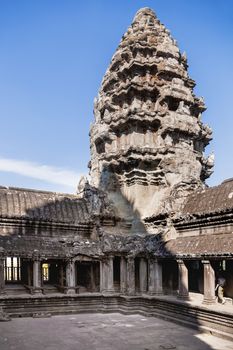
(50, 289)
(15, 289)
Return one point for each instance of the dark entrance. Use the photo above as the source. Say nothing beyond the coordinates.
(195, 276)
(137, 274)
(116, 272)
(170, 276)
(88, 275)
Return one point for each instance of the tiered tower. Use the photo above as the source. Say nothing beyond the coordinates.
(148, 140)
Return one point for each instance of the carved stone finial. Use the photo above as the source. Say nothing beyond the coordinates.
(82, 185)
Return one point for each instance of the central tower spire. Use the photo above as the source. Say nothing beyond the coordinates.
(148, 140)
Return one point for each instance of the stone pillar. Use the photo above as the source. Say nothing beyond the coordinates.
(104, 276)
(143, 275)
(2, 280)
(183, 291)
(209, 283)
(107, 275)
(70, 277)
(30, 274)
(130, 276)
(37, 285)
(61, 275)
(110, 285)
(155, 277)
(123, 275)
(102, 280)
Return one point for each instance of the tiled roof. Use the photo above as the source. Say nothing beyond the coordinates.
(210, 200)
(29, 245)
(42, 205)
(206, 245)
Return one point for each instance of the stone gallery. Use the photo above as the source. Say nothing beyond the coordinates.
(145, 232)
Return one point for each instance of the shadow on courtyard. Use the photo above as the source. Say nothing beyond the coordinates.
(102, 331)
(55, 222)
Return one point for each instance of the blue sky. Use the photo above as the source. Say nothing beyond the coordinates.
(53, 55)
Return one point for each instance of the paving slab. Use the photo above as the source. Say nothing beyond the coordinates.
(103, 332)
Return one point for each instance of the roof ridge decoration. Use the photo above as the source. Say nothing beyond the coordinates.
(147, 141)
(22, 189)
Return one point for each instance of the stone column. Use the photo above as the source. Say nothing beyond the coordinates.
(123, 275)
(104, 276)
(37, 287)
(130, 276)
(110, 285)
(107, 275)
(2, 280)
(143, 275)
(155, 277)
(30, 274)
(183, 291)
(102, 280)
(61, 275)
(70, 277)
(209, 283)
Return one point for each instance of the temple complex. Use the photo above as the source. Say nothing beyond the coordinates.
(145, 226)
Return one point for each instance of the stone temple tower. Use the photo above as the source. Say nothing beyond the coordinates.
(147, 141)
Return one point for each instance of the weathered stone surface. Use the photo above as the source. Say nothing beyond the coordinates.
(99, 332)
(3, 316)
(220, 245)
(42, 205)
(210, 200)
(147, 141)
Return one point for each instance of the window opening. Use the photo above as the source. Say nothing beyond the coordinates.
(12, 269)
(45, 272)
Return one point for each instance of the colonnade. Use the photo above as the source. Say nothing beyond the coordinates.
(32, 278)
(149, 278)
(209, 281)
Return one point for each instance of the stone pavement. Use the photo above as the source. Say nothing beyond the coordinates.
(103, 332)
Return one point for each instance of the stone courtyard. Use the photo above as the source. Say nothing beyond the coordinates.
(105, 332)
